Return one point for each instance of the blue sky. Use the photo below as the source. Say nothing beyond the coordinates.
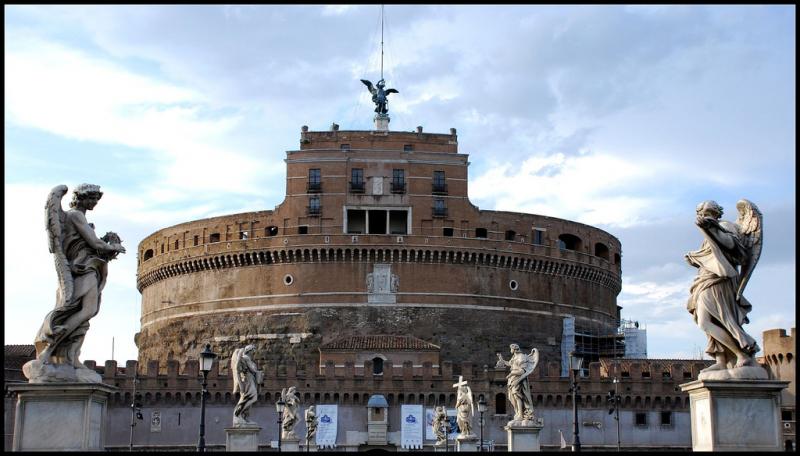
(620, 117)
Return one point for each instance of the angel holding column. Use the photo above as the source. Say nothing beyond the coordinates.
(725, 262)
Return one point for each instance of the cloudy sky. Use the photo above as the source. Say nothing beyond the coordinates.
(620, 117)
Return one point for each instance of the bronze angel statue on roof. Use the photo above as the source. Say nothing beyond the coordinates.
(379, 96)
(81, 260)
(725, 262)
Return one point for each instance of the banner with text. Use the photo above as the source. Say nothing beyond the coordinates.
(411, 426)
(326, 430)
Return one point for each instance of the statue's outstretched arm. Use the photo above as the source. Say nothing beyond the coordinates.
(78, 220)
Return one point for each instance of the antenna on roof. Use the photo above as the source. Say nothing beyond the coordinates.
(379, 94)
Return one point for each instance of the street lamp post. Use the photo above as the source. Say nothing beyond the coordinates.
(206, 361)
(575, 362)
(136, 412)
(446, 425)
(481, 409)
(279, 407)
(616, 409)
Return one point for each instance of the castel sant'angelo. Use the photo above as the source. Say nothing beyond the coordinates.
(377, 284)
(376, 238)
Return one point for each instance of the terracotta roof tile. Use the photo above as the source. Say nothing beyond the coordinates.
(379, 342)
(28, 351)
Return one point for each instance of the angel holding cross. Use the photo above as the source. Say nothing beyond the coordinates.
(465, 408)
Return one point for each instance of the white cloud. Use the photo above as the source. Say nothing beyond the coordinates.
(68, 93)
(591, 188)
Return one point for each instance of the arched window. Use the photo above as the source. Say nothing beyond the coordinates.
(500, 404)
(148, 254)
(616, 258)
(601, 251)
(271, 231)
(377, 366)
(569, 242)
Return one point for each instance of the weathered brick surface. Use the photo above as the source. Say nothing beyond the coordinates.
(454, 291)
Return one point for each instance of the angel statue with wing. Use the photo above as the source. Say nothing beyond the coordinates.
(725, 262)
(246, 378)
(81, 260)
(519, 390)
(290, 412)
(379, 96)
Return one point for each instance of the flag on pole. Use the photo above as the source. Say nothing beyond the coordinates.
(563, 442)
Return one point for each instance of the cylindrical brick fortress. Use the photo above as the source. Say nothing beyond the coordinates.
(376, 236)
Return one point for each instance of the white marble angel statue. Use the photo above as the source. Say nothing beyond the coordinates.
(725, 262)
(519, 390)
(246, 378)
(465, 408)
(81, 260)
(440, 425)
(290, 412)
(311, 424)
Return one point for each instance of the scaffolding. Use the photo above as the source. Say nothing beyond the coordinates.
(594, 341)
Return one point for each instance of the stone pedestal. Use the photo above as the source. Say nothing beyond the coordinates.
(524, 435)
(242, 438)
(381, 122)
(735, 415)
(60, 416)
(467, 443)
(290, 444)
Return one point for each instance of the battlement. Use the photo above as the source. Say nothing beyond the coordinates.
(173, 383)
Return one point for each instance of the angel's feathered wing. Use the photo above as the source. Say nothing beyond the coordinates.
(283, 395)
(534, 358)
(471, 402)
(750, 224)
(235, 361)
(55, 218)
(369, 86)
(388, 91)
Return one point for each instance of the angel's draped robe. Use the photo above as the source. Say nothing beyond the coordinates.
(714, 290)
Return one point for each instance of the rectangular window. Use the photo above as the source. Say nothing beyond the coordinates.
(214, 237)
(641, 418)
(344, 147)
(408, 147)
(357, 180)
(398, 222)
(538, 237)
(786, 415)
(447, 231)
(666, 418)
(314, 183)
(439, 209)
(480, 233)
(302, 229)
(356, 221)
(313, 206)
(645, 374)
(398, 181)
(196, 239)
(243, 235)
(439, 185)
